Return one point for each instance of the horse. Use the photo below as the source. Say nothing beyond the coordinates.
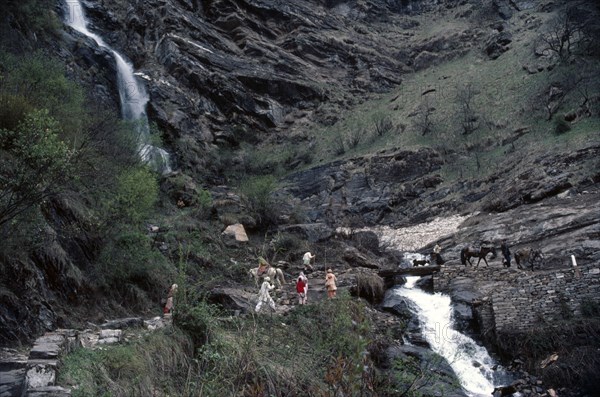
(469, 252)
(529, 255)
(273, 272)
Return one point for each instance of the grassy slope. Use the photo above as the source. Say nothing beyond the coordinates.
(507, 98)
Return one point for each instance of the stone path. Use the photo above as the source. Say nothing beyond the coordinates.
(34, 373)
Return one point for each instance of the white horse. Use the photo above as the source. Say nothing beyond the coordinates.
(274, 273)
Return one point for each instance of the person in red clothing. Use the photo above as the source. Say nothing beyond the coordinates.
(302, 288)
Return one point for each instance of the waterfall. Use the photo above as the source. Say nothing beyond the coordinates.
(470, 361)
(132, 93)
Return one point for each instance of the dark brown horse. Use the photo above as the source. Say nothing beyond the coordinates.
(529, 255)
(469, 252)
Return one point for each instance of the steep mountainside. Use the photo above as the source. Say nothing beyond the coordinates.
(297, 118)
(220, 72)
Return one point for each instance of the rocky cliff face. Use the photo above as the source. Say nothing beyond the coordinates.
(274, 68)
(217, 70)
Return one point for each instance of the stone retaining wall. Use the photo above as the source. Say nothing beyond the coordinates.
(546, 297)
(522, 300)
(453, 269)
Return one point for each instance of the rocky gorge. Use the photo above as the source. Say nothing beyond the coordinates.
(233, 83)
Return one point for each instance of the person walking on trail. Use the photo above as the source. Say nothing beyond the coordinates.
(170, 296)
(264, 295)
(302, 288)
(306, 258)
(505, 253)
(263, 265)
(330, 280)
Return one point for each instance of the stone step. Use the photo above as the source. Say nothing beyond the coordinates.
(49, 391)
(12, 372)
(48, 346)
(41, 373)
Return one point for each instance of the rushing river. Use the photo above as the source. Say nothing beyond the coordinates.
(477, 371)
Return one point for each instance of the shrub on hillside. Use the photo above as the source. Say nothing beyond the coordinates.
(199, 320)
(258, 193)
(135, 196)
(34, 165)
(129, 260)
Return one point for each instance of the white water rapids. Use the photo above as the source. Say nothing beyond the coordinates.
(132, 93)
(469, 361)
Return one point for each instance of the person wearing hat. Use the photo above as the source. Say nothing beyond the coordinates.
(330, 280)
(264, 295)
(262, 266)
(302, 288)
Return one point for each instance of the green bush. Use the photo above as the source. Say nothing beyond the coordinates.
(135, 196)
(258, 191)
(323, 353)
(199, 320)
(38, 81)
(34, 165)
(33, 15)
(13, 109)
(129, 262)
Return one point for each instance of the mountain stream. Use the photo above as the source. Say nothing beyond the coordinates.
(477, 372)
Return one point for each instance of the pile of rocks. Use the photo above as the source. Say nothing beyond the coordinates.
(525, 384)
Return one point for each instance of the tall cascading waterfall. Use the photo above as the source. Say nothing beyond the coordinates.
(471, 362)
(132, 93)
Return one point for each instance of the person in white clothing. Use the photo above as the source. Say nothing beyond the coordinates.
(306, 261)
(264, 295)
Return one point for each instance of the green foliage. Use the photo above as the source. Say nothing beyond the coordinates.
(204, 200)
(33, 15)
(13, 108)
(135, 196)
(257, 192)
(324, 352)
(182, 188)
(35, 164)
(38, 81)
(128, 259)
(199, 320)
(284, 246)
(159, 361)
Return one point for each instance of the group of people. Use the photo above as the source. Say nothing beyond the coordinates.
(264, 294)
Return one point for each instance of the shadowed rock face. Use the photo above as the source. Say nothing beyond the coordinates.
(265, 65)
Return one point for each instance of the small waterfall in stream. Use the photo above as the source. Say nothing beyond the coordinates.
(132, 93)
(470, 361)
